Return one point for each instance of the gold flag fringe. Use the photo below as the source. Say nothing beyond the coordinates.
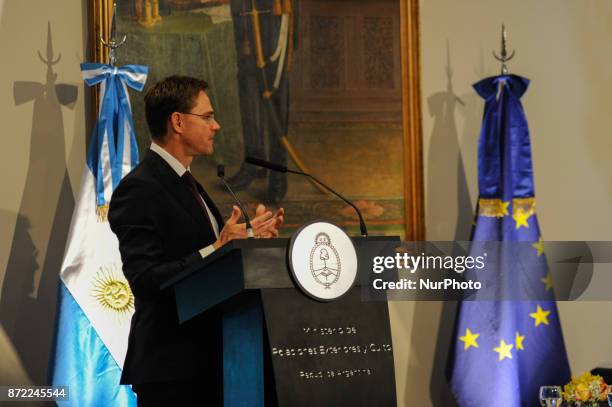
(102, 213)
(495, 208)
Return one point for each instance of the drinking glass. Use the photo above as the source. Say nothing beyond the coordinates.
(550, 396)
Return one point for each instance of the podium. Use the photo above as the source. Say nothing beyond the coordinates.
(281, 347)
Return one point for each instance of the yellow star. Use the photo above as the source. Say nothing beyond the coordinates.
(539, 246)
(548, 281)
(504, 208)
(540, 316)
(504, 350)
(520, 217)
(518, 340)
(469, 339)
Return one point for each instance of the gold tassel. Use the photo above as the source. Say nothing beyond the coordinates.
(102, 213)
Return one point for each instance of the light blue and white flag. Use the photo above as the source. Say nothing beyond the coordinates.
(95, 301)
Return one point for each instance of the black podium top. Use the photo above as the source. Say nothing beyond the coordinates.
(248, 264)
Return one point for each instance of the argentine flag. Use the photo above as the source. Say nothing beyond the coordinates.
(95, 301)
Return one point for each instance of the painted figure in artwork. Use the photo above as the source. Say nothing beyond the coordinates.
(264, 36)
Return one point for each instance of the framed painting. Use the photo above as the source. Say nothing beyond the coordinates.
(328, 87)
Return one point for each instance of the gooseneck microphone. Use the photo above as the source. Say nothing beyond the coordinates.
(280, 168)
(221, 175)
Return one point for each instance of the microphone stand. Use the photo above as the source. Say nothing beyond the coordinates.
(247, 221)
(280, 168)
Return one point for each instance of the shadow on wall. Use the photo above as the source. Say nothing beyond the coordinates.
(11, 361)
(471, 109)
(446, 180)
(29, 290)
(450, 214)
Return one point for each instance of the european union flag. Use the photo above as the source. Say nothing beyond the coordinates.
(503, 351)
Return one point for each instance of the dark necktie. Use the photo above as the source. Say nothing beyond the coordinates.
(193, 187)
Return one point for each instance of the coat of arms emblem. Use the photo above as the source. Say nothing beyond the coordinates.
(322, 261)
(325, 264)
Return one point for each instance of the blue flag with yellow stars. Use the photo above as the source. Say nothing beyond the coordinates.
(504, 350)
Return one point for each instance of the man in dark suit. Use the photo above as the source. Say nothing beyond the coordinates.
(165, 222)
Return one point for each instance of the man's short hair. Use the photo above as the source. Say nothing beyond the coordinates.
(174, 94)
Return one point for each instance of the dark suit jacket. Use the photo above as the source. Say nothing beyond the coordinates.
(161, 227)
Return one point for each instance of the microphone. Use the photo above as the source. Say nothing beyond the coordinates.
(269, 165)
(280, 168)
(221, 175)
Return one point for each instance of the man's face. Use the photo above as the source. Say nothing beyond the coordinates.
(199, 127)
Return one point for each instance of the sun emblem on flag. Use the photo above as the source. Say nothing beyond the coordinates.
(112, 292)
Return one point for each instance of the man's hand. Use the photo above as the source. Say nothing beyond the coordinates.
(272, 230)
(232, 229)
(265, 225)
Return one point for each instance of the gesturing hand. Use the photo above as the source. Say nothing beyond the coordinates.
(265, 225)
(232, 229)
(275, 222)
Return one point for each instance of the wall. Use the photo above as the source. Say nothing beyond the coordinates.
(42, 111)
(562, 46)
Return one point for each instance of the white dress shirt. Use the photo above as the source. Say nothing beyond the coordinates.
(180, 170)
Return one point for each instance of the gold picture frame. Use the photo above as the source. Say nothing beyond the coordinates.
(100, 17)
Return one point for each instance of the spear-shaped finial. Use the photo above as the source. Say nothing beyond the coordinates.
(49, 60)
(504, 52)
(112, 44)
